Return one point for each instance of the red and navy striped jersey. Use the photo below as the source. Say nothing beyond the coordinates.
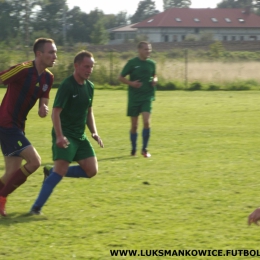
(24, 87)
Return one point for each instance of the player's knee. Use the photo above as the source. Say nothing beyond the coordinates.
(134, 128)
(35, 163)
(92, 172)
(146, 124)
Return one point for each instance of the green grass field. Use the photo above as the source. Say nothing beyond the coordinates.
(195, 192)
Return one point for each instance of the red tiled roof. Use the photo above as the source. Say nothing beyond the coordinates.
(184, 17)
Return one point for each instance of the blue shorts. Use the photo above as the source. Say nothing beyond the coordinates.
(12, 141)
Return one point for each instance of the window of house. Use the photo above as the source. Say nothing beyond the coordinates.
(233, 38)
(183, 37)
(150, 21)
(197, 30)
(196, 20)
(215, 20)
(228, 20)
(166, 38)
(178, 19)
(241, 20)
(225, 38)
(241, 38)
(174, 38)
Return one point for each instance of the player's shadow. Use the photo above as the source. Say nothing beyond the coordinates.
(16, 218)
(125, 157)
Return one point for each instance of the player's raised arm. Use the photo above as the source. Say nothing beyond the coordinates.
(43, 107)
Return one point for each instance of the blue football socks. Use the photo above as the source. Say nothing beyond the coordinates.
(146, 135)
(133, 139)
(47, 188)
(76, 172)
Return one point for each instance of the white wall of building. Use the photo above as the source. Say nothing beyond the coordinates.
(179, 34)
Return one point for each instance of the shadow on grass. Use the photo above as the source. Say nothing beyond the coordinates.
(14, 218)
(117, 158)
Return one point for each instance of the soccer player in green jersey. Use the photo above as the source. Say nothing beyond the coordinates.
(141, 92)
(72, 111)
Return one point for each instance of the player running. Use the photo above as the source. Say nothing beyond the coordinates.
(26, 83)
(72, 111)
(141, 93)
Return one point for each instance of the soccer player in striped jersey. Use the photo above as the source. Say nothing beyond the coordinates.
(26, 83)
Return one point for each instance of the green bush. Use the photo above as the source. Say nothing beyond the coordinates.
(237, 87)
(195, 86)
(167, 86)
(213, 87)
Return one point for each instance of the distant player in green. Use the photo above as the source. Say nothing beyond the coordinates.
(72, 111)
(141, 92)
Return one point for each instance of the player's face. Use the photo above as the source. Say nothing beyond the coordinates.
(49, 54)
(85, 68)
(145, 51)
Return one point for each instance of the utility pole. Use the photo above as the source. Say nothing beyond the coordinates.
(64, 24)
(186, 68)
(27, 28)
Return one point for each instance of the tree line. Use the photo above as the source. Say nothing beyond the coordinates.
(22, 21)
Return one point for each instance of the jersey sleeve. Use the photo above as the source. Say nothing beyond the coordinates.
(92, 93)
(12, 74)
(127, 69)
(62, 95)
(154, 73)
(47, 86)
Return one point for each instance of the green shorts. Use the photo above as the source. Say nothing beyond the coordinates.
(135, 108)
(76, 151)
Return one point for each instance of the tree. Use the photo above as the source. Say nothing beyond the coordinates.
(50, 19)
(176, 3)
(9, 22)
(99, 34)
(77, 26)
(238, 3)
(145, 9)
(24, 11)
(253, 4)
(122, 18)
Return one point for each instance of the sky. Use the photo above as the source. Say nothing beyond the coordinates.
(130, 6)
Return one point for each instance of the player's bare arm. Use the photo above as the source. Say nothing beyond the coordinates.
(134, 84)
(62, 141)
(43, 107)
(92, 127)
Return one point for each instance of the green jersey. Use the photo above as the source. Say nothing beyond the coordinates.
(144, 71)
(74, 99)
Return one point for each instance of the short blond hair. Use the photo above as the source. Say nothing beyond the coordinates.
(81, 55)
(142, 43)
(39, 44)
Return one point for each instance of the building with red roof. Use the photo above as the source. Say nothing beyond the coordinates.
(177, 24)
